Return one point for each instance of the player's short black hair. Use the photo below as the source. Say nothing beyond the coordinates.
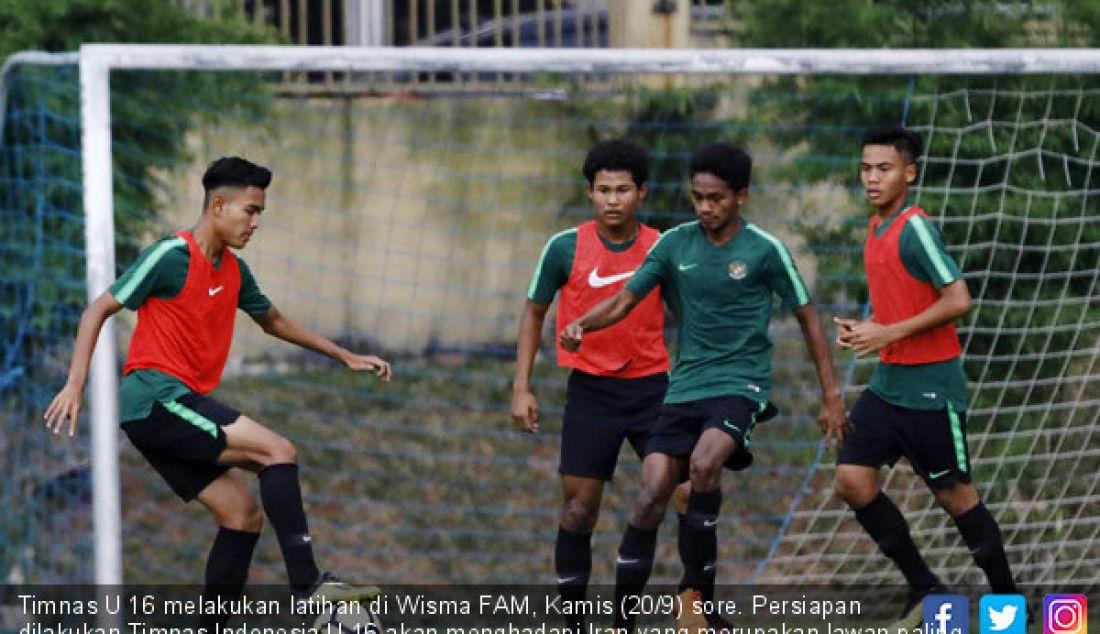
(234, 171)
(617, 155)
(905, 141)
(728, 162)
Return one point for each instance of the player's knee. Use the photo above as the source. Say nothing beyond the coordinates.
(251, 516)
(281, 451)
(649, 509)
(242, 513)
(854, 491)
(579, 515)
(705, 472)
(958, 499)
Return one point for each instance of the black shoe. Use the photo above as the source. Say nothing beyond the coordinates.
(912, 615)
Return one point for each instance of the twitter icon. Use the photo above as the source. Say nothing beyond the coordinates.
(1003, 614)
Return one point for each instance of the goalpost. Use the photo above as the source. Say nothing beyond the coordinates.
(806, 518)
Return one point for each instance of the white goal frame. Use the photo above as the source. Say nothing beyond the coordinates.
(98, 60)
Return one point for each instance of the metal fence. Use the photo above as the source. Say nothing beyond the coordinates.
(459, 23)
(482, 23)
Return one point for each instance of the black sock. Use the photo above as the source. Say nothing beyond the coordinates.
(698, 541)
(282, 498)
(573, 563)
(227, 570)
(884, 523)
(983, 537)
(632, 569)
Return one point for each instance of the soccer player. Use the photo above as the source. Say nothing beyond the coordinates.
(619, 379)
(718, 275)
(915, 403)
(187, 288)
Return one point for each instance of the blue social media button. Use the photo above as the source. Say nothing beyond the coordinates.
(1003, 614)
(946, 614)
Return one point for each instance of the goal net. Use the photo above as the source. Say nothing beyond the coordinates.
(410, 202)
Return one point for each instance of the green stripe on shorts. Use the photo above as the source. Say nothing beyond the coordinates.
(760, 407)
(957, 436)
(193, 417)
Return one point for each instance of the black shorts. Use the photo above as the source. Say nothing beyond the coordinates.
(601, 412)
(934, 441)
(182, 439)
(679, 425)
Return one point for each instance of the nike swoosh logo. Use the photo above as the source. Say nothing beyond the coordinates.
(562, 580)
(626, 562)
(709, 523)
(215, 291)
(732, 426)
(938, 474)
(687, 267)
(595, 281)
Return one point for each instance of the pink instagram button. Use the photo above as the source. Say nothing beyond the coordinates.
(1065, 614)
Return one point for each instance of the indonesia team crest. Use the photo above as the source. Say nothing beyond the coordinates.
(738, 270)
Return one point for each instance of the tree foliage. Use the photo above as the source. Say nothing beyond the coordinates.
(152, 112)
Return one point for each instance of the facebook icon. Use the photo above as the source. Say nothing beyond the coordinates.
(946, 614)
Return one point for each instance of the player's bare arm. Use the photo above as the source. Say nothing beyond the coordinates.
(525, 406)
(866, 337)
(279, 325)
(66, 405)
(832, 417)
(607, 313)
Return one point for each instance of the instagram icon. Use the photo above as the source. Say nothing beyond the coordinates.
(1065, 614)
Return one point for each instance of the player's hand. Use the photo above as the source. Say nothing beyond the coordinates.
(844, 331)
(833, 419)
(571, 337)
(370, 363)
(525, 410)
(65, 406)
(867, 337)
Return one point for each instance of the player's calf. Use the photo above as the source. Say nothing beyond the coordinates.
(983, 537)
(698, 541)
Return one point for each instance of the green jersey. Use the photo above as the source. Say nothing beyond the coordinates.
(160, 272)
(723, 297)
